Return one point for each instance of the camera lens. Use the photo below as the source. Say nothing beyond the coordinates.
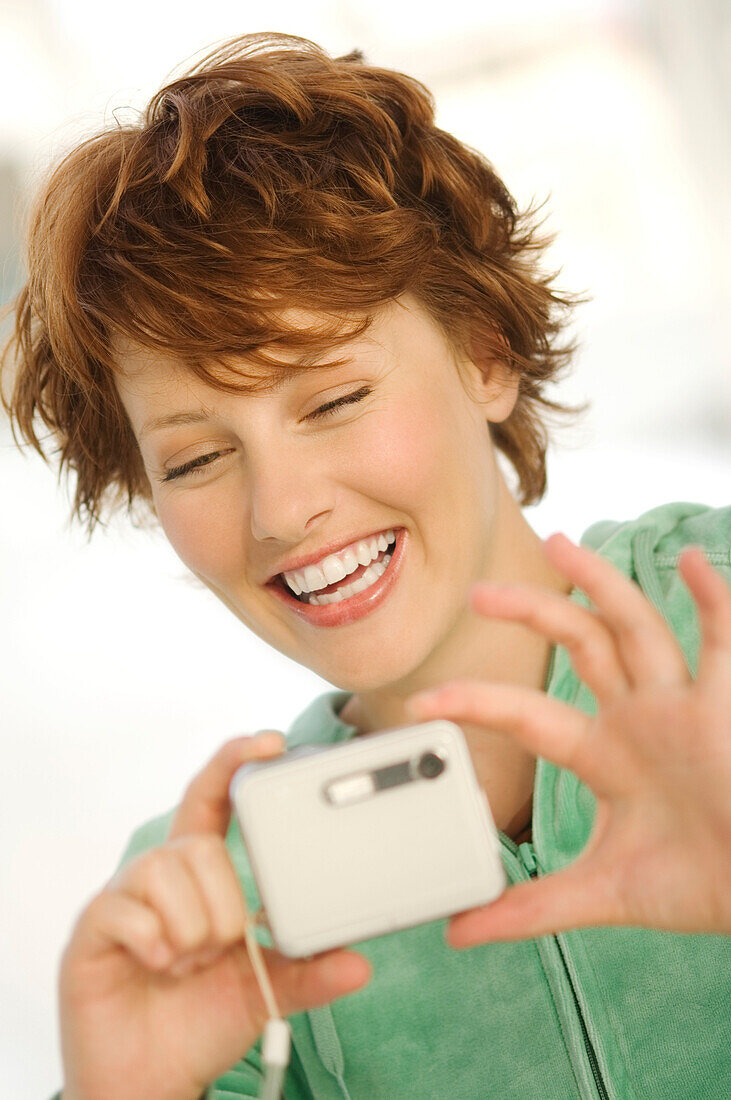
(430, 765)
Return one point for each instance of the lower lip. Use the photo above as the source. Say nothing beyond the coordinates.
(354, 607)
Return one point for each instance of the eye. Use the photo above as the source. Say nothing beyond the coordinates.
(191, 468)
(339, 402)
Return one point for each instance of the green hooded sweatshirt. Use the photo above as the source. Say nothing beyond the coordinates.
(617, 1013)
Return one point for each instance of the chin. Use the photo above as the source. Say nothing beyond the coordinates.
(380, 673)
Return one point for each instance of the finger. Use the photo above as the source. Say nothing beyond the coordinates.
(114, 919)
(214, 873)
(301, 984)
(198, 960)
(578, 897)
(582, 632)
(712, 596)
(541, 724)
(206, 807)
(646, 645)
(163, 881)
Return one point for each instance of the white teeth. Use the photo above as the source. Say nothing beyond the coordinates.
(314, 578)
(363, 551)
(350, 561)
(335, 567)
(368, 578)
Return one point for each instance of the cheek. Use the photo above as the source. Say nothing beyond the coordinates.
(418, 451)
(206, 533)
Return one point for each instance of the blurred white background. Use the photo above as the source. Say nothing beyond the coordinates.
(117, 677)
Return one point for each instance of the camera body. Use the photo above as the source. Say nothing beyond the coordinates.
(366, 837)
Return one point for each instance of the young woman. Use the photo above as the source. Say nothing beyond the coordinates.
(296, 321)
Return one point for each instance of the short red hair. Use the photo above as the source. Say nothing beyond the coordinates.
(269, 176)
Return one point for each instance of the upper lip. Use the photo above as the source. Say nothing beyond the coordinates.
(293, 564)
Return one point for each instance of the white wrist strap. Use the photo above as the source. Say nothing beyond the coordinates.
(276, 1043)
(275, 1056)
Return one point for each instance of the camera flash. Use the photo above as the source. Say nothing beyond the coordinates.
(354, 788)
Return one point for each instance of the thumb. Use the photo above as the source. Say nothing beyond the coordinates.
(302, 984)
(206, 807)
(579, 897)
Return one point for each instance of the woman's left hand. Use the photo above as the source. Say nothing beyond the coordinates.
(657, 754)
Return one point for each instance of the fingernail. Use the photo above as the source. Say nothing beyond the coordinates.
(269, 740)
(345, 969)
(561, 535)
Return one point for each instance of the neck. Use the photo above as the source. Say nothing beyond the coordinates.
(484, 649)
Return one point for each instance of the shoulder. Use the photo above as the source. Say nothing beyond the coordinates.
(150, 835)
(647, 550)
(666, 530)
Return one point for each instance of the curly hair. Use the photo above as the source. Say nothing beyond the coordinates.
(268, 176)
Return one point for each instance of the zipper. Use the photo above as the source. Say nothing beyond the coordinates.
(529, 862)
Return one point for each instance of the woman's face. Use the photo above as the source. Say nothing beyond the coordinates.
(279, 482)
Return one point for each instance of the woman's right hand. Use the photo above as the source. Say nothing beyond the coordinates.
(157, 994)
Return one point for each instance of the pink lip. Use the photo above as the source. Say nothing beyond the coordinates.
(357, 606)
(333, 548)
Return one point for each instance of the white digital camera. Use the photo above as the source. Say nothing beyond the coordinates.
(357, 839)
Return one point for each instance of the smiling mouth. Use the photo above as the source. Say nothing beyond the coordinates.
(358, 581)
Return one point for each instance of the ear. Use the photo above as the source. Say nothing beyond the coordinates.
(491, 382)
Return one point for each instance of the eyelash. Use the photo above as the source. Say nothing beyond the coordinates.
(195, 464)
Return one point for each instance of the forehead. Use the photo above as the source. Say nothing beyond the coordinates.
(157, 386)
(144, 372)
(133, 362)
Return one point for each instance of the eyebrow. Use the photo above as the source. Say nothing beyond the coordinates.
(198, 416)
(190, 417)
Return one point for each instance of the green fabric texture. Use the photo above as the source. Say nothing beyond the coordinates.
(626, 1014)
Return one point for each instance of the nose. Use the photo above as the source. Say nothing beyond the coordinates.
(289, 493)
